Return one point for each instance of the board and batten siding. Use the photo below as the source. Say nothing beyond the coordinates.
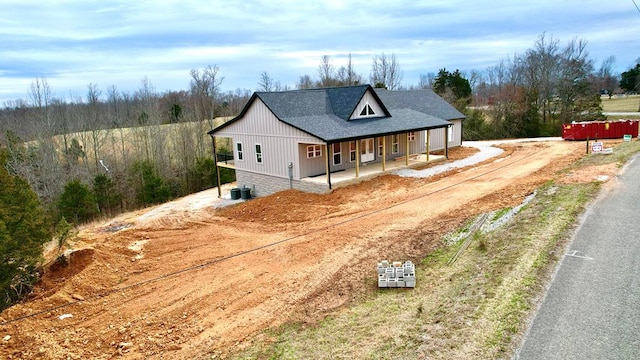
(279, 142)
(418, 145)
(312, 166)
(437, 136)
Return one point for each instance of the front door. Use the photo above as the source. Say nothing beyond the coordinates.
(366, 150)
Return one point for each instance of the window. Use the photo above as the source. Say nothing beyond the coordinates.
(259, 153)
(395, 144)
(411, 135)
(450, 134)
(352, 151)
(239, 153)
(367, 110)
(337, 154)
(314, 151)
(380, 147)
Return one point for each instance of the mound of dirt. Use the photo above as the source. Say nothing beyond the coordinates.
(65, 267)
(293, 206)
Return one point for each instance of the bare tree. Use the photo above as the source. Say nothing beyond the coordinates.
(385, 72)
(94, 123)
(205, 89)
(266, 83)
(575, 97)
(234, 101)
(60, 114)
(605, 79)
(541, 72)
(117, 119)
(146, 116)
(304, 82)
(474, 78)
(326, 72)
(43, 166)
(205, 86)
(346, 75)
(113, 102)
(426, 81)
(40, 95)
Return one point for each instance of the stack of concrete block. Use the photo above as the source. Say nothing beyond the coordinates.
(396, 274)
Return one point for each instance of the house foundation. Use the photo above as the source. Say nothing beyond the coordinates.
(266, 184)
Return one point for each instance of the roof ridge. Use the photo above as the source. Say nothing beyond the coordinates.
(313, 89)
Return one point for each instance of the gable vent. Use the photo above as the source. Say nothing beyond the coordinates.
(367, 110)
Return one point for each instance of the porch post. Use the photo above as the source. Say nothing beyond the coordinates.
(326, 150)
(427, 144)
(357, 158)
(384, 153)
(406, 158)
(215, 160)
(446, 143)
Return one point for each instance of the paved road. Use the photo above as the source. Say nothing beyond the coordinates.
(621, 113)
(592, 308)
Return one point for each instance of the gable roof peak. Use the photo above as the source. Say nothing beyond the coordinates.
(337, 101)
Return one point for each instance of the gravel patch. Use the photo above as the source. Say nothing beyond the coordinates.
(487, 151)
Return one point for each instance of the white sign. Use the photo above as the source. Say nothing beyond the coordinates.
(596, 147)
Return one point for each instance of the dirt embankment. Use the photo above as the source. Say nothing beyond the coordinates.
(184, 280)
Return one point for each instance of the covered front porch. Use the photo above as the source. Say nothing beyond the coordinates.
(371, 170)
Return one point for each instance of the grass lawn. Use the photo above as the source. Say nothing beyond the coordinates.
(629, 103)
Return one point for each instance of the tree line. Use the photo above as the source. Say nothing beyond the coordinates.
(533, 93)
(72, 160)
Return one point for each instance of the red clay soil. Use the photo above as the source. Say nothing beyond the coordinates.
(182, 281)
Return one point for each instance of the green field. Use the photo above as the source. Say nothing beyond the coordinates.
(630, 103)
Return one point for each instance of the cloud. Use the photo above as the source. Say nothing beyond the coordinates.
(73, 43)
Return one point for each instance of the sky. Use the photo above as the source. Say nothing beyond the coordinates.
(72, 44)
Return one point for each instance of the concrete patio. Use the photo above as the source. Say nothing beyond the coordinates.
(371, 170)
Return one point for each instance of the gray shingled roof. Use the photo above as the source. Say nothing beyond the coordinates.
(425, 101)
(324, 113)
(338, 101)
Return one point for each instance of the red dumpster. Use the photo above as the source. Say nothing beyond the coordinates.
(600, 129)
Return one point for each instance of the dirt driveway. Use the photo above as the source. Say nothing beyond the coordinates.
(191, 282)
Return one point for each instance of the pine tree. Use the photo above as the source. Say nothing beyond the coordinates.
(453, 87)
(630, 80)
(106, 194)
(77, 203)
(152, 188)
(24, 228)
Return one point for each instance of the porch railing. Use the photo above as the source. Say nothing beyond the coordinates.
(225, 158)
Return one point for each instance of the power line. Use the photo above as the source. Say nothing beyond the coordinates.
(634, 3)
